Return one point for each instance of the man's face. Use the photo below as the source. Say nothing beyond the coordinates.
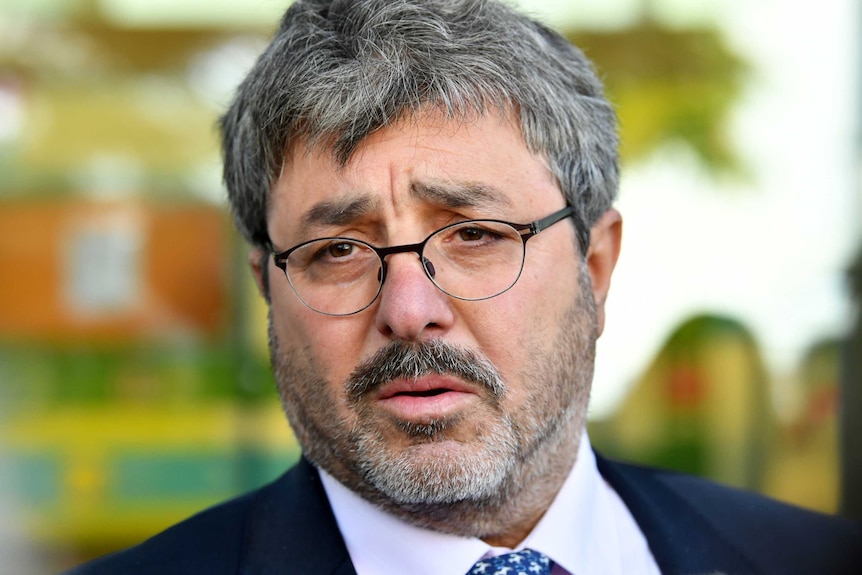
(423, 398)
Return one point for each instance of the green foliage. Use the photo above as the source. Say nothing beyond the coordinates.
(669, 85)
(141, 373)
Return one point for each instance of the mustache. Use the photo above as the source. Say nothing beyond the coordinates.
(400, 360)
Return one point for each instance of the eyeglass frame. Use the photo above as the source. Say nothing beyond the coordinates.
(525, 231)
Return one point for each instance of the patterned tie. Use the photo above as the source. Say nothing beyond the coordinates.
(525, 562)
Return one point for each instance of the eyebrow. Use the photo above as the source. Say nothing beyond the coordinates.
(339, 212)
(457, 195)
(343, 211)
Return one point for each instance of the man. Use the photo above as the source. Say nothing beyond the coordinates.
(428, 189)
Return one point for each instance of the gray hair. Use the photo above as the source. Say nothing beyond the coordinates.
(337, 70)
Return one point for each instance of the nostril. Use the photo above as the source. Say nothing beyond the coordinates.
(429, 267)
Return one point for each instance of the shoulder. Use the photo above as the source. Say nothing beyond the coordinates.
(279, 524)
(685, 518)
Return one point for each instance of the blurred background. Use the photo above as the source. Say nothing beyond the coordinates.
(134, 379)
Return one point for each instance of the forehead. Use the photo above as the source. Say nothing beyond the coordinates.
(479, 164)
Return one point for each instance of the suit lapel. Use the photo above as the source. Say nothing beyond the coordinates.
(680, 538)
(291, 529)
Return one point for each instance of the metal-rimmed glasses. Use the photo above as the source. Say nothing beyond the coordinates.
(470, 260)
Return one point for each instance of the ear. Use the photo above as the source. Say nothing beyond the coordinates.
(258, 260)
(605, 240)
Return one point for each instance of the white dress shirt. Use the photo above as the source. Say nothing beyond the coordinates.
(587, 530)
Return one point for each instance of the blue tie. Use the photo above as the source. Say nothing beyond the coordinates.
(525, 562)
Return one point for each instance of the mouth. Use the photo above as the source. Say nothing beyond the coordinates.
(426, 398)
(428, 393)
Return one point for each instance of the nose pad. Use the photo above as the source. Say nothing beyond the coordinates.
(429, 267)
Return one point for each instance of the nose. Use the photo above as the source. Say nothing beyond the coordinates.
(410, 306)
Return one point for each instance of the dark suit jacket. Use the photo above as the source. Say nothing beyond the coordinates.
(693, 527)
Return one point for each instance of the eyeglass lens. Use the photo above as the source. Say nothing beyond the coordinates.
(472, 260)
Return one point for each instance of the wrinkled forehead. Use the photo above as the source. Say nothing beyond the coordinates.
(480, 163)
(342, 147)
(420, 126)
(428, 120)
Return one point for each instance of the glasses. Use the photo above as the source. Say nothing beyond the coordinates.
(471, 260)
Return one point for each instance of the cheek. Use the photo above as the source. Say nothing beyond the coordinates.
(503, 330)
(520, 328)
(332, 344)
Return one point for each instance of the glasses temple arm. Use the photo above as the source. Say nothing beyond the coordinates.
(581, 228)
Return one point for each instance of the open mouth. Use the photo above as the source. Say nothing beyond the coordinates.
(429, 386)
(426, 397)
(425, 393)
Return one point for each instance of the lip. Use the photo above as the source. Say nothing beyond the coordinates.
(426, 398)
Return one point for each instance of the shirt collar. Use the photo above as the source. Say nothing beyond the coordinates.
(578, 528)
(382, 543)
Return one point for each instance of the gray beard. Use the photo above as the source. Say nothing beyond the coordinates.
(464, 491)
(405, 477)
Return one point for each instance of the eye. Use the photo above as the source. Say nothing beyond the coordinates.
(328, 252)
(472, 234)
(340, 249)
